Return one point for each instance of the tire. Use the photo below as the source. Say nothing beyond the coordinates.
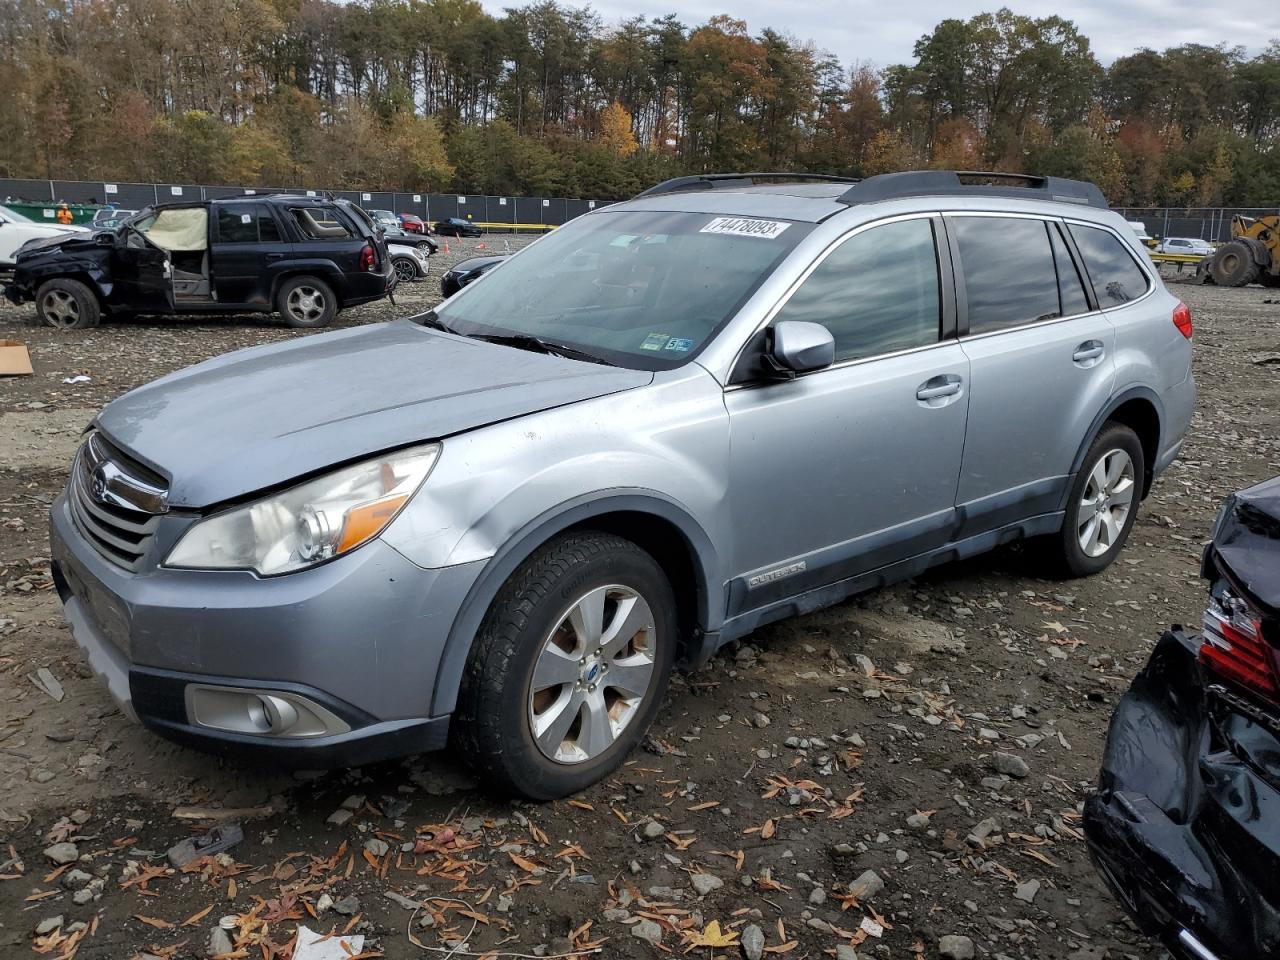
(405, 268)
(306, 302)
(1233, 265)
(1069, 551)
(67, 304)
(528, 631)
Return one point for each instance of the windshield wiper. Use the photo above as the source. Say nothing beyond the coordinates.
(432, 319)
(527, 341)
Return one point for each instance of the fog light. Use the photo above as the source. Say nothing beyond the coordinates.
(275, 713)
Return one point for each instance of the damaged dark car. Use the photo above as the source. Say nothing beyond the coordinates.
(1185, 825)
(305, 257)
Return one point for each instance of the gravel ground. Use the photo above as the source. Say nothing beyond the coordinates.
(900, 775)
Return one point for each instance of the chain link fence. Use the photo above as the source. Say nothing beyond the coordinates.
(1203, 223)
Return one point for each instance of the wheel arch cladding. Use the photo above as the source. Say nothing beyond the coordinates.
(658, 526)
(1139, 409)
(1140, 415)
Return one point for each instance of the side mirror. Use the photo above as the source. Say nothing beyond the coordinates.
(105, 239)
(801, 347)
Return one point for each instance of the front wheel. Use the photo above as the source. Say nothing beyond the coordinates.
(67, 304)
(569, 667)
(406, 269)
(1102, 504)
(306, 302)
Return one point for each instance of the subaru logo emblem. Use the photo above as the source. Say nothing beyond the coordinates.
(98, 485)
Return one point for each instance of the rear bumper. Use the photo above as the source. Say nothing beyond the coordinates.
(360, 639)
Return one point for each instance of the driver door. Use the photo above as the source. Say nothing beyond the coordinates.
(143, 275)
(853, 467)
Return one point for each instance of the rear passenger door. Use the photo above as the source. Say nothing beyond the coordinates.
(247, 242)
(849, 468)
(1042, 360)
(325, 233)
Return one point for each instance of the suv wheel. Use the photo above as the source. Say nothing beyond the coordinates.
(67, 305)
(306, 302)
(569, 667)
(1102, 504)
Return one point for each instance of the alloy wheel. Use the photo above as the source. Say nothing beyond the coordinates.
(60, 308)
(306, 303)
(1106, 502)
(592, 674)
(405, 271)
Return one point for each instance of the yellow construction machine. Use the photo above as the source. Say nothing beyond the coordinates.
(1252, 255)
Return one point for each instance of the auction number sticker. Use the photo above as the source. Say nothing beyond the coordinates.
(746, 227)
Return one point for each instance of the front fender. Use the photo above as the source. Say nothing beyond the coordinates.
(519, 548)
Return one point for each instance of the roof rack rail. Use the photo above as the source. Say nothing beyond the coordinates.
(916, 183)
(732, 181)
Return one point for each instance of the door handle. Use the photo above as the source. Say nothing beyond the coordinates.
(1089, 350)
(275, 256)
(938, 388)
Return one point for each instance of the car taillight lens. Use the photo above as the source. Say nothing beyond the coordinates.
(368, 257)
(1182, 320)
(1234, 647)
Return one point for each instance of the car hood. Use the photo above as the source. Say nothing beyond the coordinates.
(260, 417)
(54, 238)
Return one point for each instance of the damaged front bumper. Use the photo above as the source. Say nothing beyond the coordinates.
(1185, 826)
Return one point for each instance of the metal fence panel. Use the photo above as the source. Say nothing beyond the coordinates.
(443, 206)
(528, 210)
(415, 203)
(37, 191)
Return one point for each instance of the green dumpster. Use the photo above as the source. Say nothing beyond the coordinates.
(48, 212)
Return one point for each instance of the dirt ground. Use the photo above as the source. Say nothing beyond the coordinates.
(902, 768)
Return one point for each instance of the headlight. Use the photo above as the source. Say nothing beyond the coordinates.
(309, 523)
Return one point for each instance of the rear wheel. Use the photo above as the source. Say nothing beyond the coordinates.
(1233, 265)
(1102, 504)
(67, 304)
(569, 667)
(306, 302)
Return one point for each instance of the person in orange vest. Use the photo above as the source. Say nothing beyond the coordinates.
(65, 216)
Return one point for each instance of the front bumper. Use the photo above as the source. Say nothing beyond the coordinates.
(1185, 826)
(361, 636)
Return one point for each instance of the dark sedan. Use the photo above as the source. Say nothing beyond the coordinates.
(468, 271)
(457, 227)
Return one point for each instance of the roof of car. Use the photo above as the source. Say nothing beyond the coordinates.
(813, 198)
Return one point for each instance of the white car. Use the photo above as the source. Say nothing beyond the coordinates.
(15, 230)
(1186, 246)
(1140, 231)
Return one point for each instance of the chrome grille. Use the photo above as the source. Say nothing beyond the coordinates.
(115, 504)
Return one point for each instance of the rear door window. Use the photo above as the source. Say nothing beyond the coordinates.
(1116, 276)
(877, 293)
(1009, 273)
(246, 223)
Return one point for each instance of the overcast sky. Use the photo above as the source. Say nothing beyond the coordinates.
(884, 32)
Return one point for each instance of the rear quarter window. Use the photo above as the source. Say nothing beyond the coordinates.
(1117, 279)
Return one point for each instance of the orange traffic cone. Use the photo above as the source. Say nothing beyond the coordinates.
(482, 246)
(446, 246)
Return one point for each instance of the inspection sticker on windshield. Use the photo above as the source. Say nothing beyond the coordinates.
(679, 344)
(655, 341)
(746, 227)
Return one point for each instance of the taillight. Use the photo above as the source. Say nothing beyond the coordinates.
(1234, 647)
(1182, 319)
(368, 257)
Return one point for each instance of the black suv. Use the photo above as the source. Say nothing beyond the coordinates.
(307, 257)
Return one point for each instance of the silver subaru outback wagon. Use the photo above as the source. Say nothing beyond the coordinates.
(729, 400)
